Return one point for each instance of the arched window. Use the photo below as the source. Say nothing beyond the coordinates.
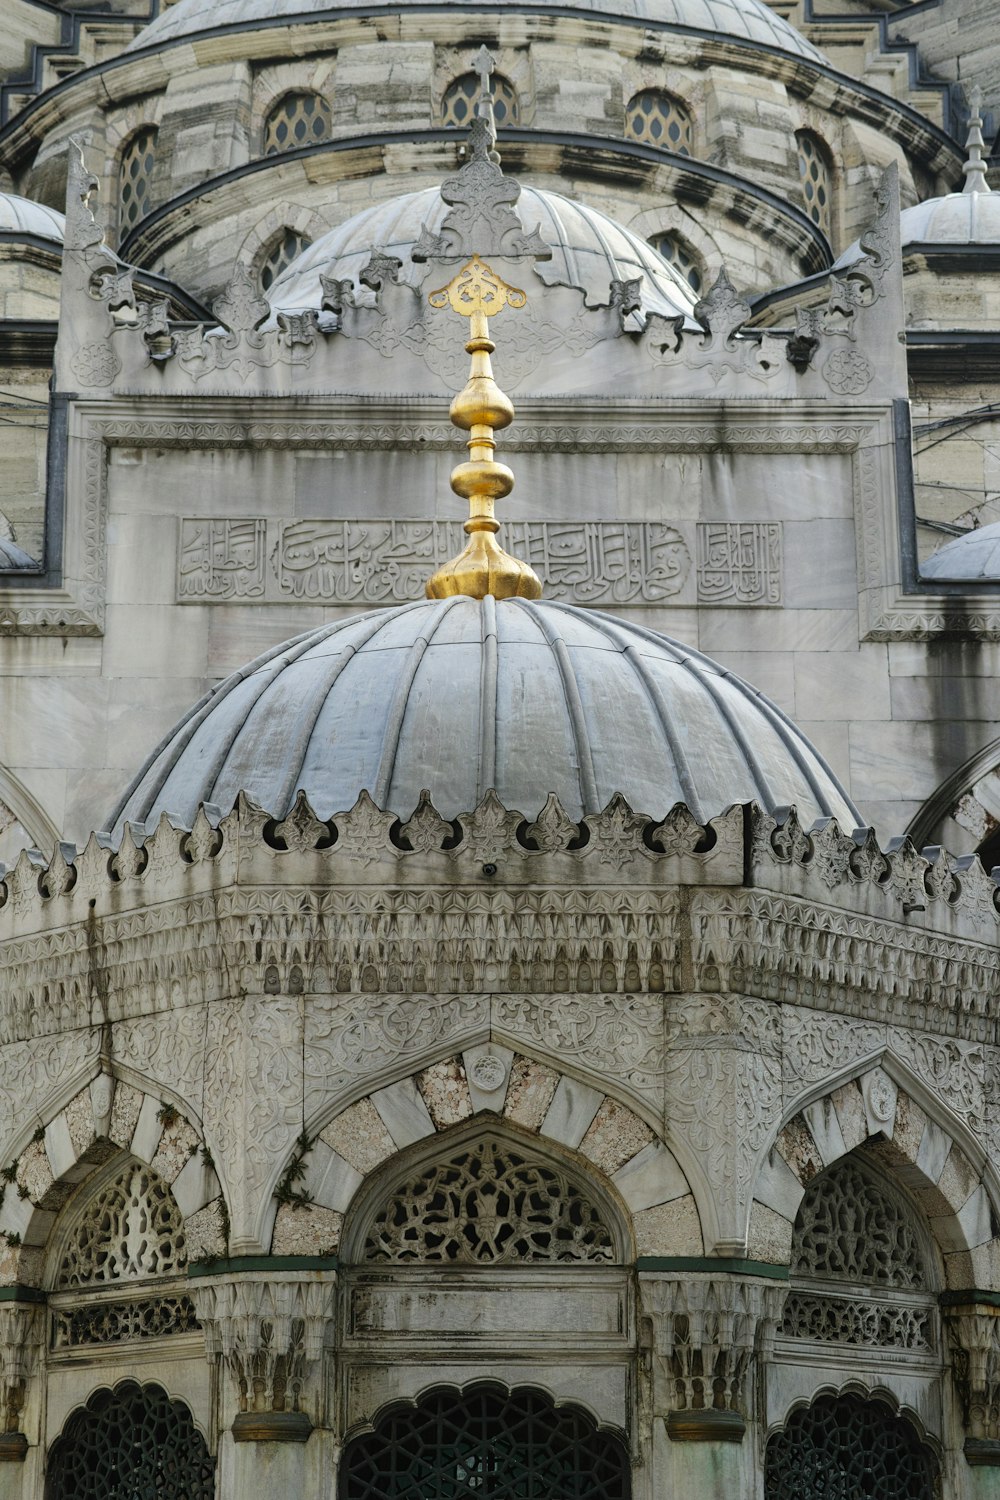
(488, 1204)
(816, 176)
(119, 1266)
(681, 257)
(135, 177)
(286, 247)
(298, 119)
(127, 1442)
(485, 1440)
(461, 97)
(659, 119)
(846, 1446)
(859, 1270)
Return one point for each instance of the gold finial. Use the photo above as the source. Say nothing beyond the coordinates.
(478, 293)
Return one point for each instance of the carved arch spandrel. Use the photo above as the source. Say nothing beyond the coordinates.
(106, 1119)
(493, 1084)
(886, 1110)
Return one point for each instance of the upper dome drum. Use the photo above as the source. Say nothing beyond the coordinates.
(461, 696)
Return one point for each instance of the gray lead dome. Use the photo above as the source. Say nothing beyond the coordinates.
(461, 696)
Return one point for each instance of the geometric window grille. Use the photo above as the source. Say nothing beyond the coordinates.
(132, 1228)
(132, 1441)
(286, 248)
(674, 250)
(659, 120)
(844, 1446)
(297, 120)
(461, 97)
(848, 1226)
(135, 174)
(485, 1443)
(814, 174)
(488, 1205)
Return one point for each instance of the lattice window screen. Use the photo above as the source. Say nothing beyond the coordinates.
(303, 119)
(684, 260)
(286, 248)
(132, 1441)
(135, 176)
(489, 1205)
(131, 1229)
(461, 96)
(815, 175)
(847, 1226)
(843, 1447)
(660, 120)
(485, 1443)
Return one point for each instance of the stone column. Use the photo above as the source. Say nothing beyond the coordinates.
(974, 1331)
(21, 1325)
(710, 1331)
(269, 1335)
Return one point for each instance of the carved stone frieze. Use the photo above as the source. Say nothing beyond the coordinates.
(379, 561)
(739, 562)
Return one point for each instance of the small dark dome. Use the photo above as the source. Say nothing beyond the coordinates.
(461, 696)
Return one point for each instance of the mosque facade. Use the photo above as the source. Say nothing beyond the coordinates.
(498, 946)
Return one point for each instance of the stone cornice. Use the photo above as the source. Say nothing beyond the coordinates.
(492, 903)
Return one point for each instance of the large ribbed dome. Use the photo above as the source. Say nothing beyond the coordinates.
(748, 20)
(589, 251)
(461, 696)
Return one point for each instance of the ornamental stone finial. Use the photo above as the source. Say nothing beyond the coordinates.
(975, 167)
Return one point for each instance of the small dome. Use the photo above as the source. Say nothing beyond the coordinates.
(749, 20)
(589, 251)
(974, 556)
(23, 216)
(461, 696)
(13, 556)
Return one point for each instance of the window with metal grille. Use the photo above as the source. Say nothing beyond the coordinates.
(128, 1442)
(488, 1204)
(684, 260)
(816, 179)
(461, 97)
(301, 119)
(845, 1446)
(288, 246)
(485, 1443)
(660, 120)
(135, 176)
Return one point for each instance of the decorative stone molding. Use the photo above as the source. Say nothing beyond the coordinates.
(708, 1331)
(974, 1329)
(22, 1327)
(270, 1332)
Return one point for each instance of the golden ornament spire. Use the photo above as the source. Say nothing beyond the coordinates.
(478, 293)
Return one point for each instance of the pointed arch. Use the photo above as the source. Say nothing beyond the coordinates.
(964, 810)
(39, 828)
(496, 1086)
(105, 1119)
(885, 1109)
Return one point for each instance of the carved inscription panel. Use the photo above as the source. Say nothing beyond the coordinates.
(384, 561)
